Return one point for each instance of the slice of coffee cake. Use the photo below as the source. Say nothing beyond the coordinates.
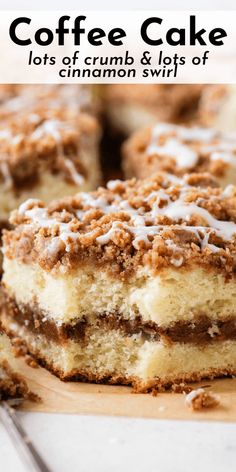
(179, 150)
(131, 284)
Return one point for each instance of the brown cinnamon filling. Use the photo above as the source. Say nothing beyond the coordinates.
(201, 332)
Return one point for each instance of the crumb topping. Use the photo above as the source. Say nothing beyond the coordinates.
(178, 149)
(22, 98)
(157, 222)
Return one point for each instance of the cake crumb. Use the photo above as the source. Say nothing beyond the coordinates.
(181, 388)
(19, 347)
(162, 408)
(199, 399)
(30, 361)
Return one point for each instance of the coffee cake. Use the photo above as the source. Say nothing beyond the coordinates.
(131, 284)
(46, 154)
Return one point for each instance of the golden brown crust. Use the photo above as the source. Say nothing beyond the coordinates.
(159, 222)
(161, 148)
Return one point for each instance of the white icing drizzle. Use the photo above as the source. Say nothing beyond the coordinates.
(229, 191)
(113, 184)
(24, 207)
(77, 178)
(177, 144)
(142, 225)
(53, 128)
(48, 127)
(205, 135)
(183, 155)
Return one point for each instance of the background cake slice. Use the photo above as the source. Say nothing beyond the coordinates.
(47, 154)
(179, 150)
(130, 107)
(132, 284)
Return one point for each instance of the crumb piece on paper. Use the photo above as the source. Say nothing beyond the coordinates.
(199, 399)
(162, 408)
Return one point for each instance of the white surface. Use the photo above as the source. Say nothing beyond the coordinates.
(103, 444)
(122, 4)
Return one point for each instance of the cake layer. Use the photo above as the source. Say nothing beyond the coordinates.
(167, 298)
(178, 150)
(115, 358)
